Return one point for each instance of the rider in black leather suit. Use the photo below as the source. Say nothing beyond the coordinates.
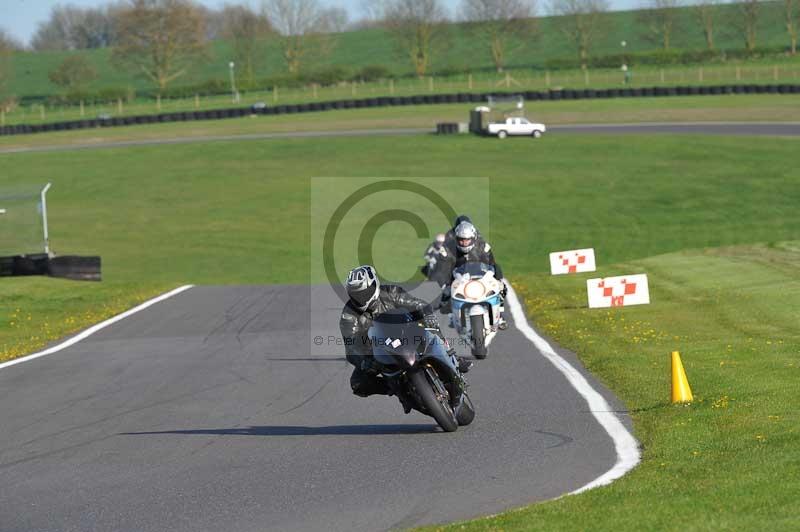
(367, 300)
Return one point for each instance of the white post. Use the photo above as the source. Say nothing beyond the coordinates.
(234, 93)
(44, 218)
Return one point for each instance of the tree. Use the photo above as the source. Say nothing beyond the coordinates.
(500, 24)
(247, 32)
(658, 19)
(302, 30)
(74, 28)
(745, 20)
(335, 20)
(417, 26)
(73, 74)
(161, 39)
(705, 12)
(791, 13)
(8, 45)
(582, 22)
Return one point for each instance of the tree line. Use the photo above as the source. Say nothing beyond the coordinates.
(163, 39)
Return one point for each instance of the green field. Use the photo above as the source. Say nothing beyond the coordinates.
(239, 212)
(459, 51)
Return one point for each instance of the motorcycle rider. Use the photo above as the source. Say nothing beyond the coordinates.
(367, 299)
(435, 253)
(450, 237)
(469, 246)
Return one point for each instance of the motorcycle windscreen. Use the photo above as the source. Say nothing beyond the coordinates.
(395, 340)
(474, 269)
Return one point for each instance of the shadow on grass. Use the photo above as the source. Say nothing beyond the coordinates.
(290, 430)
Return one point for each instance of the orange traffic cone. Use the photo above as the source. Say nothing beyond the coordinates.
(681, 392)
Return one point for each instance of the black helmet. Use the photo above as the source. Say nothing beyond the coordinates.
(363, 286)
(461, 218)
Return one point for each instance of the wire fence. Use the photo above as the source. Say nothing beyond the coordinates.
(517, 80)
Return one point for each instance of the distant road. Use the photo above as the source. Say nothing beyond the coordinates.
(783, 129)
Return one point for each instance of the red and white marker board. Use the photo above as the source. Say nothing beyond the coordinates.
(621, 291)
(573, 261)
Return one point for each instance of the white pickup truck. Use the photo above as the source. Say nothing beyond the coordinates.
(516, 126)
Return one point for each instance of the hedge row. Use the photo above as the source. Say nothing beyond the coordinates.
(235, 112)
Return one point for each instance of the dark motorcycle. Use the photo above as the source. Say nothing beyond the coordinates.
(417, 368)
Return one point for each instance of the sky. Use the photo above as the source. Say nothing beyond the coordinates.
(21, 17)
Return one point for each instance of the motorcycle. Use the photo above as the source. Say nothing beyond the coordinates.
(477, 303)
(415, 365)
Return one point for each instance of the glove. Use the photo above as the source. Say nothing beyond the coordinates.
(431, 322)
(504, 291)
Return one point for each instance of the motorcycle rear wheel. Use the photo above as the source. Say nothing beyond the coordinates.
(437, 405)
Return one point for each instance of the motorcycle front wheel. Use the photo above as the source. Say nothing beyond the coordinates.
(432, 394)
(479, 349)
(465, 411)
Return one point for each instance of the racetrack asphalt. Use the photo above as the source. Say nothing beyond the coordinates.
(779, 129)
(216, 410)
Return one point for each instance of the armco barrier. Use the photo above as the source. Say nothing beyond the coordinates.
(385, 101)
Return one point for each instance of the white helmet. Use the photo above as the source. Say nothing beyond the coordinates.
(363, 286)
(466, 234)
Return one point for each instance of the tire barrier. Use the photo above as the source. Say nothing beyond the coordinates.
(66, 267)
(75, 268)
(23, 265)
(386, 101)
(447, 128)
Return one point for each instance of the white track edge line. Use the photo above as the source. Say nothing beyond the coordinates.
(626, 446)
(93, 329)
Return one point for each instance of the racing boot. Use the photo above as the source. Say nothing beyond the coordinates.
(464, 364)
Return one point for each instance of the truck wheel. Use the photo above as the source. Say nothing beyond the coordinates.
(537, 133)
(501, 134)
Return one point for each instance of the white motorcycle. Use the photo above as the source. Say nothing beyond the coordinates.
(477, 303)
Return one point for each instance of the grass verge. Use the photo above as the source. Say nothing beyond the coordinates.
(724, 462)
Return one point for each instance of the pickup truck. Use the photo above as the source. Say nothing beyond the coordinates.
(516, 126)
